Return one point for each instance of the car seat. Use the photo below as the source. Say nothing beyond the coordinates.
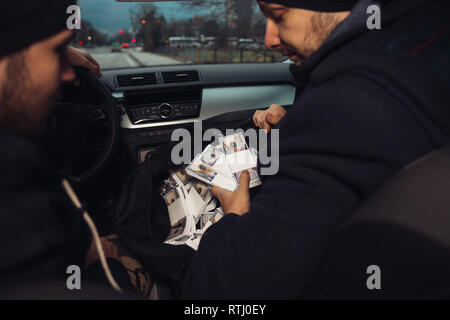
(404, 229)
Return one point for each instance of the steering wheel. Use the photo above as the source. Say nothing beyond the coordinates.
(83, 129)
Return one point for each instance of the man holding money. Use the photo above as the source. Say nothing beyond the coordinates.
(369, 102)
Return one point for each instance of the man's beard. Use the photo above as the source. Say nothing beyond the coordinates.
(23, 106)
(322, 25)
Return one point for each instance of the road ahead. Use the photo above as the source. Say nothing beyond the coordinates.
(128, 58)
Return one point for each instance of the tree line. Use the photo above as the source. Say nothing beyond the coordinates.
(220, 19)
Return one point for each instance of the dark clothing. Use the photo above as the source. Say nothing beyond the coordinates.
(41, 232)
(32, 21)
(318, 5)
(368, 103)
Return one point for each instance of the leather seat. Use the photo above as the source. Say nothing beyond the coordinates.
(404, 229)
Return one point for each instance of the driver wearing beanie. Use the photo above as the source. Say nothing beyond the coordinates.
(41, 232)
(368, 103)
(318, 5)
(30, 22)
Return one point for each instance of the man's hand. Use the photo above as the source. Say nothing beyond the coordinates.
(111, 251)
(237, 202)
(82, 58)
(265, 119)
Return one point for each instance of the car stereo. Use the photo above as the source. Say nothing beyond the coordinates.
(144, 107)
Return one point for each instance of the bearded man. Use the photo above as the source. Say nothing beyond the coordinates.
(368, 103)
(42, 234)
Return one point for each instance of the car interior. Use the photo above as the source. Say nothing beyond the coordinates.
(105, 128)
(128, 114)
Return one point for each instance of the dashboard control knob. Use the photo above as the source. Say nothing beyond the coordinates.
(165, 110)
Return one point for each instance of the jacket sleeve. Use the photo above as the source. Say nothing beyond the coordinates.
(336, 148)
(42, 235)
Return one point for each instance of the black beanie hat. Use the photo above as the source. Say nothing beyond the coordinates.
(318, 5)
(29, 21)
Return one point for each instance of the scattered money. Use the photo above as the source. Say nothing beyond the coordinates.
(192, 207)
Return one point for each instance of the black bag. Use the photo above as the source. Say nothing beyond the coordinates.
(142, 223)
(141, 220)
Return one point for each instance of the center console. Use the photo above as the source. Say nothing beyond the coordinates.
(164, 105)
(152, 115)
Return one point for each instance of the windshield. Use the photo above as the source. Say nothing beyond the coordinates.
(136, 34)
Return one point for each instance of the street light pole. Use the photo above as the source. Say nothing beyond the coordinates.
(144, 33)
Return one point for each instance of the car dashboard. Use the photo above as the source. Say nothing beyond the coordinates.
(154, 101)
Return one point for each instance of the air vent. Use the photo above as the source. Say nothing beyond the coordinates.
(136, 79)
(181, 76)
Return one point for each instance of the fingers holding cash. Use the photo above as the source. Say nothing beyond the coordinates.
(237, 202)
(230, 166)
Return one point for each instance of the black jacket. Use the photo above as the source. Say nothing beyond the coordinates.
(368, 103)
(41, 232)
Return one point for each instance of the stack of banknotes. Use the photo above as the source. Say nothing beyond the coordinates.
(191, 206)
(221, 164)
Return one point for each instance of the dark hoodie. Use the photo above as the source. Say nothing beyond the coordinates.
(368, 103)
(41, 231)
